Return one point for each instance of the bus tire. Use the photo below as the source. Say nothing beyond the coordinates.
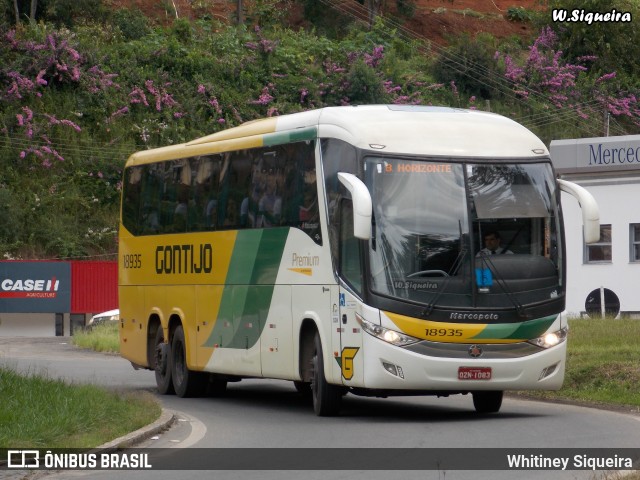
(186, 383)
(326, 397)
(487, 402)
(162, 363)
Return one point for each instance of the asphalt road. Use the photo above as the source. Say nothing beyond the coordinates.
(271, 414)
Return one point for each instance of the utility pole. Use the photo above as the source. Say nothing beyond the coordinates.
(32, 13)
(15, 7)
(239, 13)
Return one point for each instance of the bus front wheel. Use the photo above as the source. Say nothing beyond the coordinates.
(326, 397)
(162, 363)
(487, 402)
(186, 383)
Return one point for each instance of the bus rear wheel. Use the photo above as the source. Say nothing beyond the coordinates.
(326, 397)
(487, 402)
(186, 383)
(162, 363)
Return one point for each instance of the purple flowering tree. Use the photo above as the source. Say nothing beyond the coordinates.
(544, 77)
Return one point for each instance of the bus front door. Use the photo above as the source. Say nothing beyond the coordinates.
(350, 358)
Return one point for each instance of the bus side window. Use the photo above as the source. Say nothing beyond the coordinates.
(349, 256)
(132, 199)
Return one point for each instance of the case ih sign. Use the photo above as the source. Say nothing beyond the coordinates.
(35, 287)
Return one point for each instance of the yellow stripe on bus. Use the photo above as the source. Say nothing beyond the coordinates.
(189, 150)
(453, 332)
(249, 129)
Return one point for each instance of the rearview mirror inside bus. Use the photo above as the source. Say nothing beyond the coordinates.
(361, 204)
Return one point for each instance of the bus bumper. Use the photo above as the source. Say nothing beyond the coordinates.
(390, 367)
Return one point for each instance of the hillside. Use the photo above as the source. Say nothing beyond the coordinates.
(434, 20)
(80, 90)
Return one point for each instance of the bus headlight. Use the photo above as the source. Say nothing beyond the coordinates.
(552, 339)
(390, 336)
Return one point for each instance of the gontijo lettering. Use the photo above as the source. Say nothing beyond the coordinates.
(186, 258)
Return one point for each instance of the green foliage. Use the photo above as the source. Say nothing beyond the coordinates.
(471, 65)
(268, 13)
(132, 23)
(364, 85)
(406, 8)
(616, 44)
(325, 20)
(518, 14)
(68, 13)
(12, 216)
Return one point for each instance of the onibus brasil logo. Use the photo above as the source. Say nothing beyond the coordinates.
(35, 460)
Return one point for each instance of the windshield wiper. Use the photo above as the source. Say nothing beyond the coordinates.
(486, 260)
(457, 264)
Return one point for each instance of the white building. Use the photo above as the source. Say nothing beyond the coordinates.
(607, 272)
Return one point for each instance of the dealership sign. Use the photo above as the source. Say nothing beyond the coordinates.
(595, 154)
(35, 287)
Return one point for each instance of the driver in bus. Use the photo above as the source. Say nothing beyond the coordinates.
(492, 244)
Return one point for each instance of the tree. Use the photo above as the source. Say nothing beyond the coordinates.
(616, 44)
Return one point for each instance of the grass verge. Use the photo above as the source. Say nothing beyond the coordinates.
(101, 338)
(38, 412)
(603, 364)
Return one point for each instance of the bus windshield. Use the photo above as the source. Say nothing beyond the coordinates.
(456, 235)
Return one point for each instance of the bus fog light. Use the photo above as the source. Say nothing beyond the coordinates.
(547, 371)
(394, 370)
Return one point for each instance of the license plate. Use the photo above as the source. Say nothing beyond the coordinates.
(474, 373)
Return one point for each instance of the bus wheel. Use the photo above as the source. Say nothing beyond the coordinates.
(487, 402)
(186, 383)
(326, 397)
(162, 363)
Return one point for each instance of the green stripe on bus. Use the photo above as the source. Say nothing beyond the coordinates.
(497, 331)
(243, 258)
(290, 136)
(534, 328)
(250, 283)
(517, 331)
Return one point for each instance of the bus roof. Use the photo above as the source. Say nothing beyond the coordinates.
(402, 129)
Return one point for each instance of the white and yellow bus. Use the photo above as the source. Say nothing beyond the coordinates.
(343, 249)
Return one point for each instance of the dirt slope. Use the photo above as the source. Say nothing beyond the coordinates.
(435, 20)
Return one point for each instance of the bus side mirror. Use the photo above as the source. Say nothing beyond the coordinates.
(361, 205)
(590, 211)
